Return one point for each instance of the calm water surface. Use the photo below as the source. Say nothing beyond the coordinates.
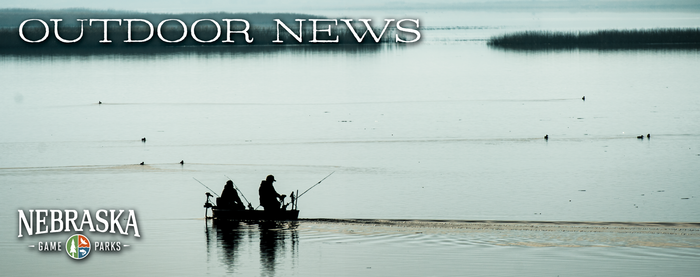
(448, 129)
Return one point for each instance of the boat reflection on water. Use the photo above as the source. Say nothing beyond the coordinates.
(273, 242)
(230, 240)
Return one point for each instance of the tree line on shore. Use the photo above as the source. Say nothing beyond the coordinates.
(600, 39)
(262, 31)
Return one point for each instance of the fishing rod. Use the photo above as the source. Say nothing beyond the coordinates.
(208, 204)
(206, 186)
(236, 187)
(302, 194)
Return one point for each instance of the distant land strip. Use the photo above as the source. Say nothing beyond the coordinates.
(660, 38)
(27, 31)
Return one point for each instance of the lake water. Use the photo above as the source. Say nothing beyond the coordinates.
(448, 129)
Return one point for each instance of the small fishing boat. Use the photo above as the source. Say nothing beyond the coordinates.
(225, 212)
(253, 215)
(250, 214)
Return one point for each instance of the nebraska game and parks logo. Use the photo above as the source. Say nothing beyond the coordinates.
(78, 246)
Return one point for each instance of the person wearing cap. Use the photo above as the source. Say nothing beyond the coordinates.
(229, 198)
(269, 196)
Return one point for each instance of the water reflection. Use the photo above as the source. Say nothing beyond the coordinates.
(273, 244)
(278, 241)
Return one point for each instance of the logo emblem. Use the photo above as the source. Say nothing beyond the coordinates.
(78, 247)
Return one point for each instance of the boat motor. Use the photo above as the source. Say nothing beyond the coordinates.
(207, 205)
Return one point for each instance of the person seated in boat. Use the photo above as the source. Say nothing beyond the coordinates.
(229, 198)
(269, 196)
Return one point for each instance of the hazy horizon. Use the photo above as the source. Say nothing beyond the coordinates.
(311, 5)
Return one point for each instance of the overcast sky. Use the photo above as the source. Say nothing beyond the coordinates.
(310, 5)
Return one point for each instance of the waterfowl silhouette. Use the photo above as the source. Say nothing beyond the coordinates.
(648, 136)
(99, 102)
(182, 162)
(143, 139)
(640, 137)
(583, 98)
(546, 137)
(141, 163)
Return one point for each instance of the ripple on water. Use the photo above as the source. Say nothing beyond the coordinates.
(503, 233)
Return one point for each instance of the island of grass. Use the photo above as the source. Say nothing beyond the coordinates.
(600, 39)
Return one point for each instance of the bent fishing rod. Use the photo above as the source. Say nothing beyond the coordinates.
(217, 195)
(324, 178)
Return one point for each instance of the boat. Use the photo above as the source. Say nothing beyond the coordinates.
(253, 215)
(250, 214)
(221, 212)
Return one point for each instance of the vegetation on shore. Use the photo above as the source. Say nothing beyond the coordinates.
(599, 39)
(13, 17)
(262, 30)
(172, 32)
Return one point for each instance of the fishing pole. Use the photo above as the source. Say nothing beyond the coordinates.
(236, 187)
(206, 186)
(300, 195)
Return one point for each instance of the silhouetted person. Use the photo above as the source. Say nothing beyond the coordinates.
(229, 198)
(269, 196)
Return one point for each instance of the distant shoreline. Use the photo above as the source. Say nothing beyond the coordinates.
(27, 31)
(661, 38)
